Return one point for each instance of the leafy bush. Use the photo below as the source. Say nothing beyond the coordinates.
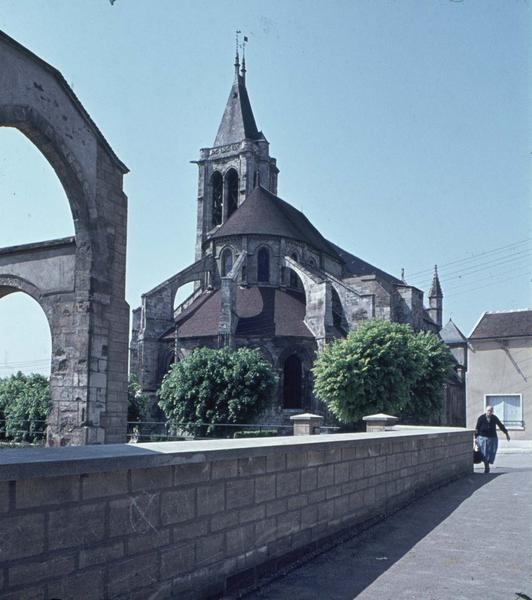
(257, 433)
(215, 386)
(24, 406)
(382, 367)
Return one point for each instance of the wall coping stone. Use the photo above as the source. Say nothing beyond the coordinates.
(29, 463)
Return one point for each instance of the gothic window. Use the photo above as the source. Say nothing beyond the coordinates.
(294, 279)
(263, 265)
(339, 319)
(312, 263)
(231, 179)
(217, 185)
(292, 382)
(227, 262)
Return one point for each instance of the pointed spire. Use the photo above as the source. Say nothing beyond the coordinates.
(403, 275)
(238, 122)
(435, 288)
(243, 71)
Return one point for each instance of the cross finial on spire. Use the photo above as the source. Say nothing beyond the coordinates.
(403, 275)
(237, 57)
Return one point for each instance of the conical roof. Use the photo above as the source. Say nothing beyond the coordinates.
(263, 213)
(238, 122)
(435, 288)
(450, 334)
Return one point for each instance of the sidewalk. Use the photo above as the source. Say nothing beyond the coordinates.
(469, 540)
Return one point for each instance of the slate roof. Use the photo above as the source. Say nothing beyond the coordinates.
(356, 267)
(238, 122)
(450, 334)
(264, 213)
(262, 311)
(516, 323)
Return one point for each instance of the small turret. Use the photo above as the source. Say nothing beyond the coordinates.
(436, 299)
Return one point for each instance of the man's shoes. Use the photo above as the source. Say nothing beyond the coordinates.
(486, 468)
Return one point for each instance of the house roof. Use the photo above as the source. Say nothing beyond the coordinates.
(238, 122)
(263, 213)
(450, 334)
(515, 323)
(262, 311)
(356, 267)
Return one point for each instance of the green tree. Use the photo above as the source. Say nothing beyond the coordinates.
(24, 406)
(215, 386)
(382, 367)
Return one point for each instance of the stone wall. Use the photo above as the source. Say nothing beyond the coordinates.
(192, 519)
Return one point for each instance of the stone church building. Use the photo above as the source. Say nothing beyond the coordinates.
(264, 276)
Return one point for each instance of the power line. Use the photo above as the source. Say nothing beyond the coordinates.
(495, 282)
(443, 266)
(466, 280)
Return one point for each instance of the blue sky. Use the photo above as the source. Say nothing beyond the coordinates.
(401, 129)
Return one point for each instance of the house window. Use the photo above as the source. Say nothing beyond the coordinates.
(508, 407)
(263, 265)
(227, 262)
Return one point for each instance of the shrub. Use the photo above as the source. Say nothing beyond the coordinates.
(215, 386)
(382, 367)
(24, 406)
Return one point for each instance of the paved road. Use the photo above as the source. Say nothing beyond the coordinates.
(471, 540)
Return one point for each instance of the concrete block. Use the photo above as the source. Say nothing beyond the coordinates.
(224, 520)
(333, 491)
(296, 460)
(45, 491)
(369, 467)
(276, 507)
(294, 502)
(134, 514)
(264, 488)
(309, 479)
(150, 540)
(21, 536)
(240, 539)
(177, 560)
(224, 469)
(190, 531)
(129, 575)
(316, 496)
(289, 523)
(253, 465)
(34, 571)
(86, 585)
(309, 516)
(210, 498)
(275, 462)
(178, 506)
(325, 475)
(239, 493)
(27, 593)
(315, 458)
(4, 496)
(210, 549)
(102, 554)
(76, 526)
(192, 473)
(100, 485)
(152, 479)
(265, 531)
(287, 484)
(325, 511)
(341, 472)
(254, 513)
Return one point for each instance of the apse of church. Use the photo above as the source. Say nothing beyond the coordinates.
(264, 276)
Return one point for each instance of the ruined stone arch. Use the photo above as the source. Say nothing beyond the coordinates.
(90, 319)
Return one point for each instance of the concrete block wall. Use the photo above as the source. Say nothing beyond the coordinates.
(193, 519)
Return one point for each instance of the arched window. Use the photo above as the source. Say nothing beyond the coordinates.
(217, 198)
(339, 319)
(312, 263)
(227, 262)
(294, 279)
(263, 265)
(292, 382)
(231, 179)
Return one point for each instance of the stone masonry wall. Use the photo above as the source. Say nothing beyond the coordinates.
(193, 519)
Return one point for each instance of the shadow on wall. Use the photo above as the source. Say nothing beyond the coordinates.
(374, 551)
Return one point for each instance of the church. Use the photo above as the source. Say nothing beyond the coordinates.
(264, 276)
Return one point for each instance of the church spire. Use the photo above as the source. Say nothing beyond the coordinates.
(238, 123)
(436, 299)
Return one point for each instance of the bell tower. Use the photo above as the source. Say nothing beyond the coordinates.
(237, 162)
